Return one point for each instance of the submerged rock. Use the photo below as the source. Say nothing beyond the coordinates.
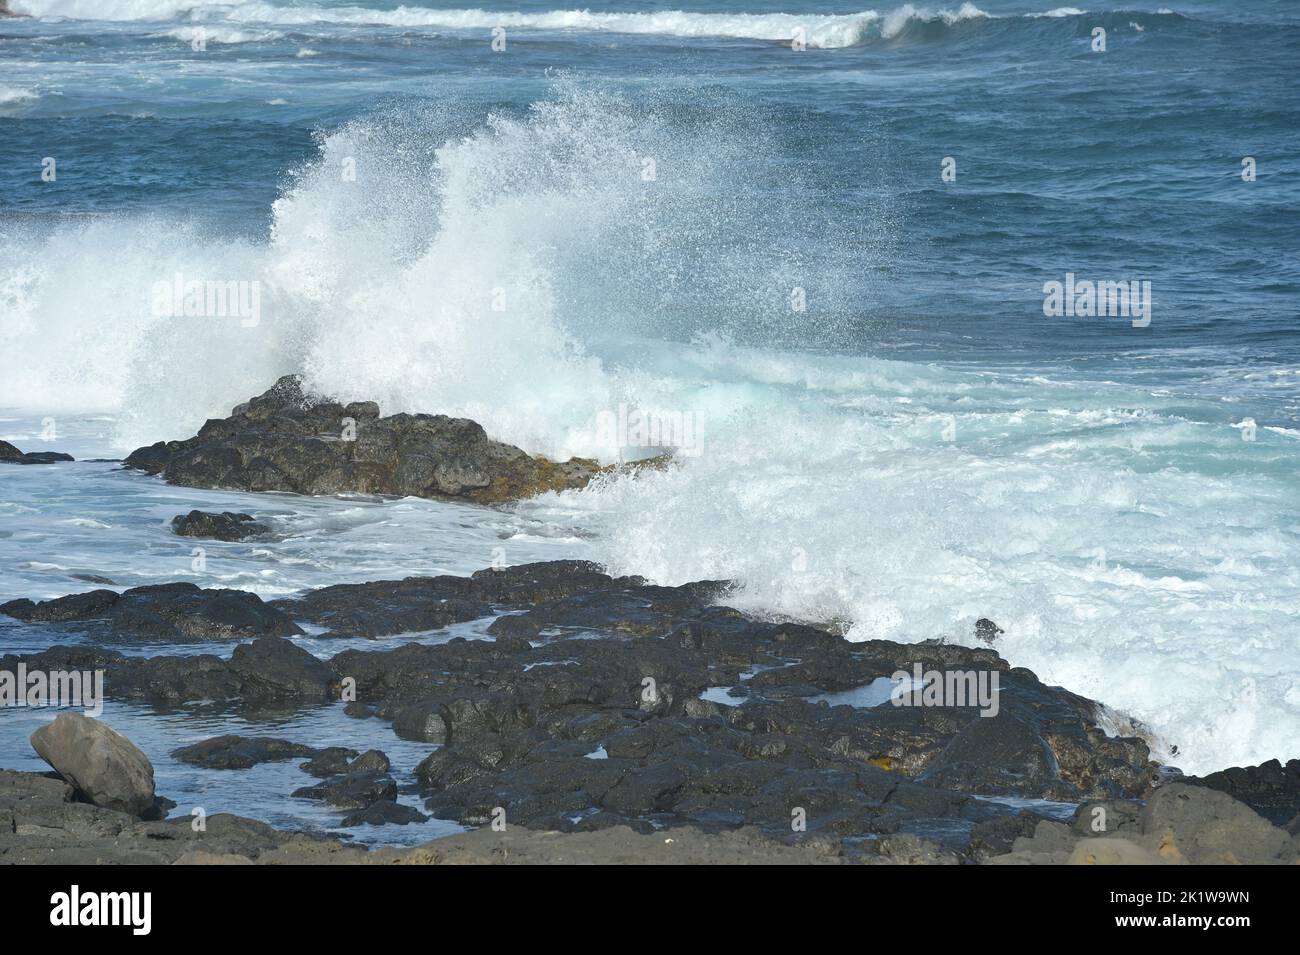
(11, 455)
(240, 752)
(286, 440)
(173, 613)
(101, 764)
(226, 526)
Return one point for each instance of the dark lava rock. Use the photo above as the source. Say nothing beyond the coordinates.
(987, 630)
(240, 752)
(371, 761)
(1271, 789)
(386, 608)
(11, 455)
(552, 590)
(331, 761)
(514, 627)
(282, 668)
(358, 790)
(338, 760)
(199, 680)
(226, 526)
(603, 724)
(384, 813)
(285, 440)
(173, 613)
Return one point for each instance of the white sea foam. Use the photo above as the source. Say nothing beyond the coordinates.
(213, 33)
(13, 99)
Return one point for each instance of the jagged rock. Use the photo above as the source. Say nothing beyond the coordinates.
(104, 766)
(11, 455)
(339, 760)
(358, 790)
(282, 668)
(1271, 789)
(386, 608)
(226, 526)
(987, 630)
(173, 613)
(285, 440)
(331, 761)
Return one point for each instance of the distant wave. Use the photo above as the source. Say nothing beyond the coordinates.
(212, 33)
(826, 31)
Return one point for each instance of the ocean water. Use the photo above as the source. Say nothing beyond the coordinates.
(664, 208)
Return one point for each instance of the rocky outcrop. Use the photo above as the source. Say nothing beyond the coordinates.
(172, 613)
(286, 440)
(271, 672)
(226, 526)
(102, 765)
(1271, 789)
(1178, 825)
(11, 455)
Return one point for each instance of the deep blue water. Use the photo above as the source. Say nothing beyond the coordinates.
(1118, 164)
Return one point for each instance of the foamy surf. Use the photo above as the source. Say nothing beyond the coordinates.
(827, 31)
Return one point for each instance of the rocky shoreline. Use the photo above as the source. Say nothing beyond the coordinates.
(595, 718)
(609, 704)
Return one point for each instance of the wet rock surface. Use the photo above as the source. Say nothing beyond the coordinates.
(607, 705)
(607, 702)
(240, 752)
(286, 440)
(11, 455)
(270, 672)
(352, 790)
(225, 526)
(170, 613)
